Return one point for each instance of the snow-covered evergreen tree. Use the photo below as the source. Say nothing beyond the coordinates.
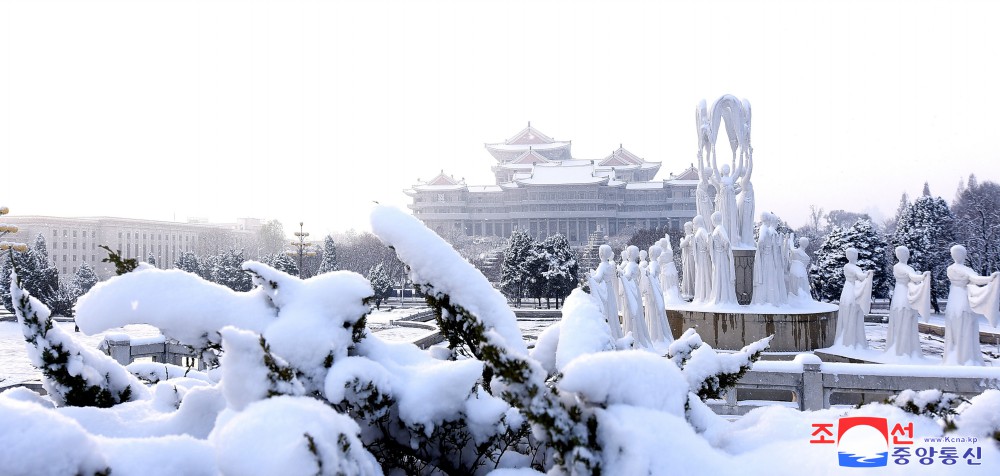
(381, 283)
(187, 261)
(927, 228)
(559, 268)
(226, 269)
(85, 278)
(151, 259)
(515, 270)
(74, 375)
(827, 271)
(38, 276)
(329, 262)
(282, 262)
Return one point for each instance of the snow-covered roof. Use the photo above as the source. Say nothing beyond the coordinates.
(690, 173)
(529, 138)
(484, 189)
(529, 135)
(440, 182)
(682, 182)
(528, 158)
(560, 174)
(645, 185)
(438, 188)
(621, 157)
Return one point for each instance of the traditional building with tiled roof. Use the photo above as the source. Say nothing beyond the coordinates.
(542, 189)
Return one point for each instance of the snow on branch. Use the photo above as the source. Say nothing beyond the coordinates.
(471, 312)
(73, 374)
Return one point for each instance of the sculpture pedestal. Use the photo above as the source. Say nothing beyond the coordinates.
(743, 262)
(796, 329)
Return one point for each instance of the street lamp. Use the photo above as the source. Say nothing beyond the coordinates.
(4, 230)
(304, 249)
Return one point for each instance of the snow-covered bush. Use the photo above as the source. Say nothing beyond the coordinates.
(932, 403)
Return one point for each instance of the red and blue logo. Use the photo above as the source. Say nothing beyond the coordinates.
(863, 442)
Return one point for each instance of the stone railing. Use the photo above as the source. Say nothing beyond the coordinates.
(126, 350)
(812, 382)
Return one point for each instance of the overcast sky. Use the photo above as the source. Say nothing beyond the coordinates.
(309, 111)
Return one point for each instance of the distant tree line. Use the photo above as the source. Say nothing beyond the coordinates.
(928, 226)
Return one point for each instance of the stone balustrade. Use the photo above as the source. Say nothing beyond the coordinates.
(812, 382)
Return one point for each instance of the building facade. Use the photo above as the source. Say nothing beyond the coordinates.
(540, 188)
(74, 241)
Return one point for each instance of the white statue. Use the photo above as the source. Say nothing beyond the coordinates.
(723, 268)
(745, 203)
(702, 261)
(970, 296)
(633, 311)
(604, 279)
(687, 262)
(725, 199)
(620, 290)
(668, 271)
(798, 272)
(910, 298)
(768, 265)
(855, 302)
(655, 312)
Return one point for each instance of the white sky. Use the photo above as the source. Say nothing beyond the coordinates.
(311, 110)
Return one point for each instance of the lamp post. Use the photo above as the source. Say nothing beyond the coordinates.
(4, 230)
(303, 247)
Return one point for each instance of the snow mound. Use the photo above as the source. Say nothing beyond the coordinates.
(629, 377)
(38, 441)
(291, 436)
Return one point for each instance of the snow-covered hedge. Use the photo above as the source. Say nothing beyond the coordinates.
(298, 386)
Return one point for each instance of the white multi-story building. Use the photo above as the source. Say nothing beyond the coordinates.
(74, 241)
(540, 188)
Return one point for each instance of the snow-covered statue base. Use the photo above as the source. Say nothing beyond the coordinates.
(768, 298)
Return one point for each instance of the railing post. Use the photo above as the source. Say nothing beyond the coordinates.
(120, 348)
(812, 382)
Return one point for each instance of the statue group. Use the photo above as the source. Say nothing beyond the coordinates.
(707, 262)
(634, 293)
(969, 297)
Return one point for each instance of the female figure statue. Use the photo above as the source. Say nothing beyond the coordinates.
(745, 202)
(798, 272)
(605, 278)
(725, 199)
(855, 302)
(910, 295)
(703, 123)
(723, 268)
(703, 197)
(633, 311)
(768, 266)
(970, 295)
(702, 261)
(668, 271)
(652, 298)
(620, 269)
(687, 262)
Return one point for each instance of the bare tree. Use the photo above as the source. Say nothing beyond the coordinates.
(977, 220)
